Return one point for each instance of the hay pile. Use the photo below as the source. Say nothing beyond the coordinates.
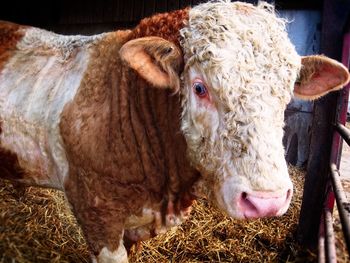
(36, 226)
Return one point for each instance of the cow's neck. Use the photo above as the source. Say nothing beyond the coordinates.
(161, 110)
(146, 124)
(127, 140)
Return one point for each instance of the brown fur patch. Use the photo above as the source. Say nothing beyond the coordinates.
(129, 152)
(165, 25)
(11, 169)
(9, 165)
(9, 37)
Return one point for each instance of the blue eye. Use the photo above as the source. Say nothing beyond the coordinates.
(200, 89)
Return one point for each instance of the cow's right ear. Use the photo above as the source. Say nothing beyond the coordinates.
(156, 60)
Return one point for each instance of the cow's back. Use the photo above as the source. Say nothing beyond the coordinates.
(40, 73)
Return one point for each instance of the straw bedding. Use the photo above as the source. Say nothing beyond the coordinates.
(37, 226)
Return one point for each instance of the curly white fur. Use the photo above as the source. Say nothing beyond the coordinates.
(244, 55)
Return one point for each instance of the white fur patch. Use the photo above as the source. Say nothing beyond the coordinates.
(117, 256)
(35, 85)
(146, 218)
(142, 227)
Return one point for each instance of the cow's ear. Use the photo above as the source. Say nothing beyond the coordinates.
(156, 60)
(318, 76)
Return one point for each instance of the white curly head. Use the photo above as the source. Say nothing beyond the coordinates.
(239, 76)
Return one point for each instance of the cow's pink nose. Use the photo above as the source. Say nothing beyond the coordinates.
(263, 204)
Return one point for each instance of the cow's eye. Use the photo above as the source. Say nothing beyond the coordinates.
(200, 89)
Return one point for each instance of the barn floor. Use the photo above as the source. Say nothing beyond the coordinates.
(37, 226)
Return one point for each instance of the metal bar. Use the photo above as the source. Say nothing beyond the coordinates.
(343, 131)
(342, 204)
(321, 255)
(330, 239)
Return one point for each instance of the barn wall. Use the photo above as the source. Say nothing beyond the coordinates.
(304, 31)
(64, 15)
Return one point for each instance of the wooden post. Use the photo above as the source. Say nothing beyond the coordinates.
(335, 15)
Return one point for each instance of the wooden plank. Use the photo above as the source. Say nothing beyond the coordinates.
(330, 238)
(173, 5)
(138, 10)
(74, 12)
(161, 6)
(185, 3)
(120, 11)
(95, 9)
(129, 11)
(88, 12)
(108, 10)
(342, 204)
(149, 7)
(126, 10)
(91, 11)
(335, 14)
(36, 13)
(40, 13)
(196, 2)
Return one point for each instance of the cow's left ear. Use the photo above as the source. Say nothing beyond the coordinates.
(156, 60)
(318, 76)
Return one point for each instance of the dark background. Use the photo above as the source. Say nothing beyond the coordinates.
(75, 15)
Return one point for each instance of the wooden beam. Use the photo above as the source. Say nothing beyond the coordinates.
(335, 15)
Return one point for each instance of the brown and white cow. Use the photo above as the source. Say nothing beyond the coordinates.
(133, 125)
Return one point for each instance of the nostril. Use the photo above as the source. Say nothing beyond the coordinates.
(288, 196)
(261, 204)
(247, 205)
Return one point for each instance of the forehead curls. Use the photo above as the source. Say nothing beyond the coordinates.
(164, 25)
(225, 38)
